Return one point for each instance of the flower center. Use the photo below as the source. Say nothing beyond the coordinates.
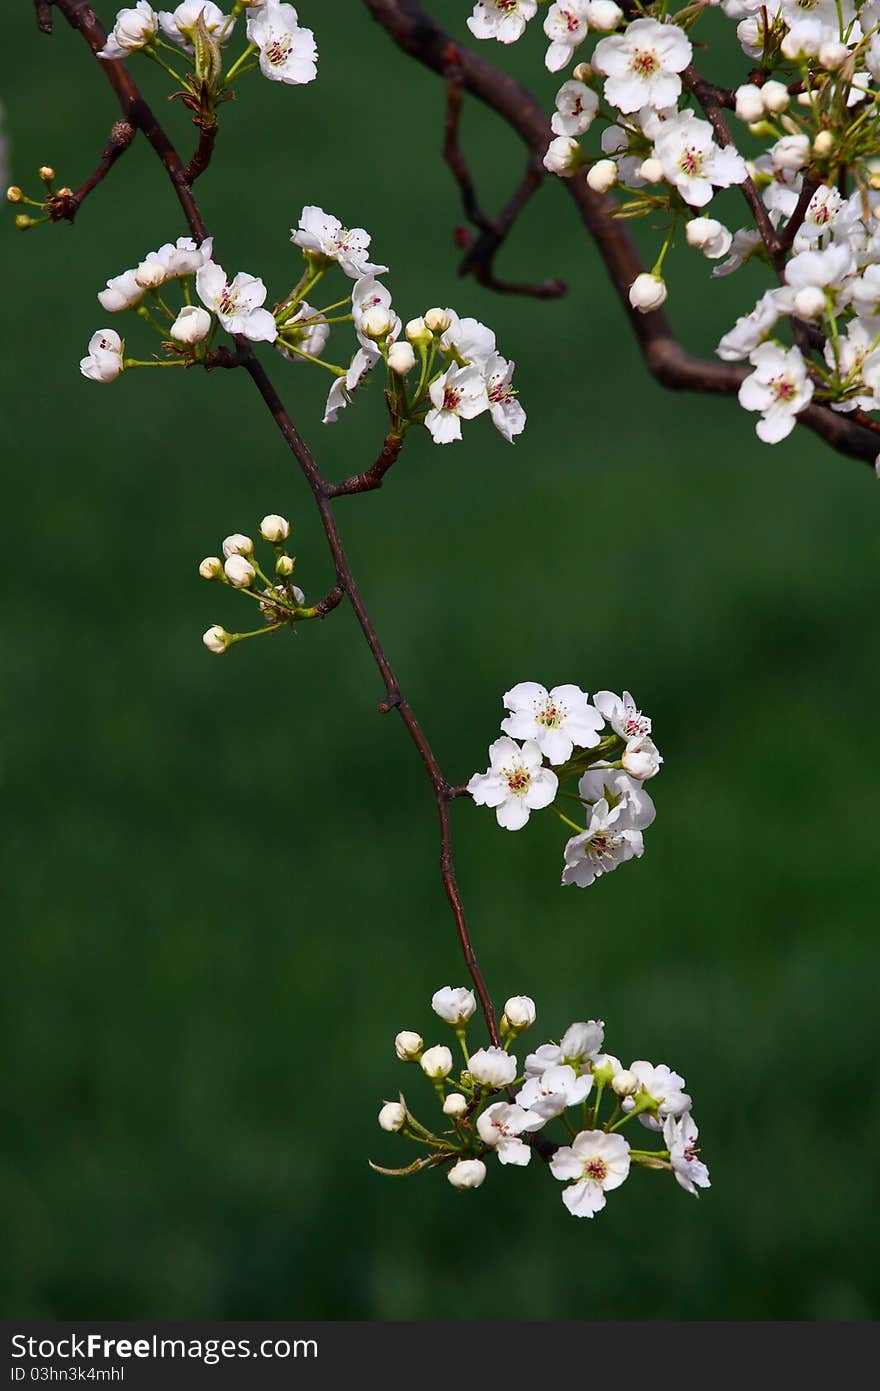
(500, 395)
(518, 780)
(596, 1169)
(691, 162)
(636, 724)
(506, 6)
(279, 50)
(451, 399)
(550, 717)
(602, 845)
(783, 388)
(228, 300)
(645, 62)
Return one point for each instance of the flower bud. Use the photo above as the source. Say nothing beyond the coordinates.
(284, 566)
(583, 72)
(274, 528)
(749, 103)
(211, 568)
(455, 1005)
(150, 274)
(809, 303)
(192, 325)
(47, 173)
(625, 1083)
(401, 358)
(651, 170)
(647, 292)
(641, 758)
(239, 572)
(564, 156)
(376, 323)
(520, 1013)
(804, 99)
(775, 96)
(602, 15)
(800, 42)
(455, 1105)
(492, 1067)
(709, 236)
(832, 54)
(823, 144)
(417, 331)
(216, 639)
(467, 1173)
(14, 194)
(602, 175)
(408, 1046)
(392, 1116)
(791, 152)
(437, 320)
(236, 544)
(22, 221)
(65, 192)
(436, 1062)
(298, 595)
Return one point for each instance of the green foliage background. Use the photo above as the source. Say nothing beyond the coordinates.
(221, 879)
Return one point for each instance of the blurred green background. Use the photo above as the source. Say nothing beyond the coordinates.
(221, 876)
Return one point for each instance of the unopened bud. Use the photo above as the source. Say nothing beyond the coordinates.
(216, 639)
(602, 176)
(401, 358)
(437, 1062)
(22, 222)
(274, 528)
(602, 15)
(437, 320)
(809, 302)
(790, 125)
(625, 1083)
(236, 544)
(749, 103)
(647, 292)
(211, 568)
(583, 72)
(408, 1046)
(65, 192)
(455, 1105)
(376, 323)
(284, 566)
(467, 1173)
(417, 331)
(804, 99)
(47, 173)
(519, 1013)
(392, 1116)
(239, 572)
(14, 194)
(775, 96)
(651, 170)
(823, 144)
(832, 54)
(192, 325)
(150, 274)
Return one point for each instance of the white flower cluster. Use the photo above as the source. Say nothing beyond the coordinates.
(813, 106)
(281, 602)
(287, 52)
(611, 768)
(573, 1075)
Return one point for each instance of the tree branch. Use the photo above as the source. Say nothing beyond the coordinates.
(417, 34)
(371, 477)
(63, 207)
(134, 108)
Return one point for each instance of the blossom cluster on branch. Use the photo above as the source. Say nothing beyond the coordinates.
(808, 110)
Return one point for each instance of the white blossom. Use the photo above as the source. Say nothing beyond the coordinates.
(121, 292)
(306, 330)
(778, 387)
(469, 338)
(641, 757)
(436, 1062)
(662, 1089)
(557, 720)
(642, 64)
(647, 292)
(593, 1164)
(579, 1045)
(132, 29)
(460, 394)
(554, 1091)
(392, 1116)
(467, 1173)
(622, 713)
(343, 388)
(239, 572)
(408, 1046)
(746, 243)
(710, 236)
(566, 27)
(609, 840)
(287, 52)
(322, 234)
(216, 639)
(179, 25)
(505, 410)
(237, 303)
(693, 162)
(615, 786)
(504, 20)
(104, 362)
(492, 1067)
(274, 528)
(192, 325)
(576, 107)
(455, 1105)
(564, 156)
(500, 1127)
(520, 1012)
(455, 1005)
(751, 329)
(238, 544)
(681, 1136)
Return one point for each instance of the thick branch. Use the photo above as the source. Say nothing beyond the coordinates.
(81, 16)
(371, 477)
(417, 34)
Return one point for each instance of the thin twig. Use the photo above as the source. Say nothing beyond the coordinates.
(371, 477)
(63, 207)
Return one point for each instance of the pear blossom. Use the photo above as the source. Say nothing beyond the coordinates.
(460, 394)
(436, 1062)
(392, 1116)
(470, 339)
(681, 1135)
(751, 329)
(104, 362)
(554, 1091)
(642, 65)
(592, 1165)
(237, 303)
(792, 152)
(408, 1046)
(647, 292)
(622, 713)
(710, 236)
(576, 107)
(192, 325)
(121, 292)
(217, 640)
(307, 330)
(179, 25)
(826, 270)
(455, 1105)
(274, 528)
(579, 1046)
(132, 29)
(343, 388)
(613, 785)
(564, 156)
(519, 1012)
(660, 1094)
(746, 243)
(492, 1067)
(322, 234)
(370, 296)
(566, 27)
(467, 1173)
(239, 572)
(858, 361)
(693, 162)
(238, 544)
(609, 840)
(454, 1005)
(287, 52)
(779, 387)
(556, 720)
(504, 20)
(515, 783)
(500, 1127)
(865, 292)
(641, 757)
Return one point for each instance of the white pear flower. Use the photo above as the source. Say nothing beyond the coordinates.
(237, 544)
(104, 362)
(693, 162)
(323, 234)
(469, 338)
(827, 271)
(455, 1005)
(749, 103)
(710, 236)
(274, 528)
(436, 1062)
(239, 572)
(681, 1137)
(192, 325)
(614, 786)
(392, 1116)
(641, 758)
(564, 156)
(859, 360)
(287, 53)
(343, 388)
(779, 387)
(865, 292)
(609, 840)
(401, 358)
(173, 260)
(603, 15)
(520, 1012)
(554, 1091)
(746, 244)
(647, 292)
(455, 1105)
(662, 1088)
(642, 64)
(622, 713)
(460, 394)
(122, 292)
(791, 153)
(408, 1046)
(823, 211)
(516, 783)
(557, 720)
(237, 303)
(751, 329)
(504, 20)
(179, 25)
(576, 107)
(492, 1067)
(371, 297)
(132, 29)
(500, 1127)
(307, 330)
(579, 1046)
(566, 27)
(467, 1173)
(216, 639)
(593, 1164)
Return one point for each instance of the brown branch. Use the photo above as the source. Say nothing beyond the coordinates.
(43, 12)
(371, 477)
(417, 34)
(204, 150)
(795, 222)
(81, 16)
(63, 207)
